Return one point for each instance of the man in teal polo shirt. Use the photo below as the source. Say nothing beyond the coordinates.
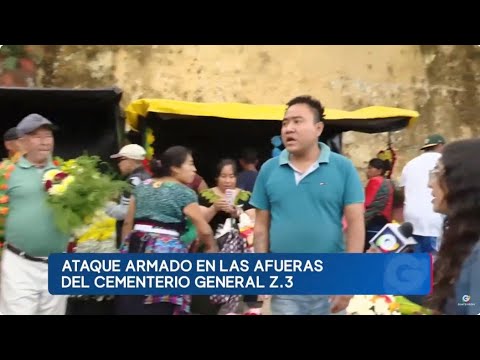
(301, 197)
(30, 231)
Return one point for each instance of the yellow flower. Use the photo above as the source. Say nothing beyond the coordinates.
(102, 227)
(69, 165)
(150, 152)
(150, 139)
(50, 175)
(394, 306)
(68, 180)
(58, 189)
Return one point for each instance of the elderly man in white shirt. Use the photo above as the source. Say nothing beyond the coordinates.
(418, 209)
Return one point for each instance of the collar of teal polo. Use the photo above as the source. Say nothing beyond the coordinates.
(323, 158)
(24, 163)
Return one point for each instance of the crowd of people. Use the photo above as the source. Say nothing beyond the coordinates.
(308, 199)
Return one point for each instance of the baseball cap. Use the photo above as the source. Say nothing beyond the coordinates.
(10, 134)
(32, 122)
(131, 151)
(433, 140)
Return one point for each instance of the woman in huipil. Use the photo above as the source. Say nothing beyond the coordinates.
(155, 223)
(219, 204)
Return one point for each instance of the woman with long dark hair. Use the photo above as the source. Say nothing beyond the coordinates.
(155, 223)
(455, 184)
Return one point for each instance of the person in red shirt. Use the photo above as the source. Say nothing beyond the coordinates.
(198, 184)
(378, 198)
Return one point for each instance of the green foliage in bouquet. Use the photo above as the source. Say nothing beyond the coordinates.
(406, 307)
(80, 194)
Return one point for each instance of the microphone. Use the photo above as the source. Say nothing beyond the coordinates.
(395, 238)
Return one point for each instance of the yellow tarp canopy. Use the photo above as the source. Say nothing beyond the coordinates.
(239, 111)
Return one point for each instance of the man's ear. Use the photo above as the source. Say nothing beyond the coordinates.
(22, 141)
(319, 128)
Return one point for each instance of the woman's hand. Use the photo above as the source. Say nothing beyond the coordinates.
(223, 205)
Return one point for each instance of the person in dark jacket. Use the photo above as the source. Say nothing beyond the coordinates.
(130, 160)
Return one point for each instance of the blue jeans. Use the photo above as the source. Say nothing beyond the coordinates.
(301, 305)
(426, 244)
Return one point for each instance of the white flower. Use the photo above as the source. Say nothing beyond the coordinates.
(94, 246)
(371, 305)
(381, 307)
(359, 304)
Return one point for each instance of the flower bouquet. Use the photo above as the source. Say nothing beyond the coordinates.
(97, 235)
(77, 190)
(78, 194)
(383, 305)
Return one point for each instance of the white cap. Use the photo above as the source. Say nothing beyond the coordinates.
(131, 151)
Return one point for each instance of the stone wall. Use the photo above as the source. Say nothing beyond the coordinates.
(441, 82)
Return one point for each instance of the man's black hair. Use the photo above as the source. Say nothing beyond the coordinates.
(314, 104)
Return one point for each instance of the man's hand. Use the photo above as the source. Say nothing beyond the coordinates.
(339, 303)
